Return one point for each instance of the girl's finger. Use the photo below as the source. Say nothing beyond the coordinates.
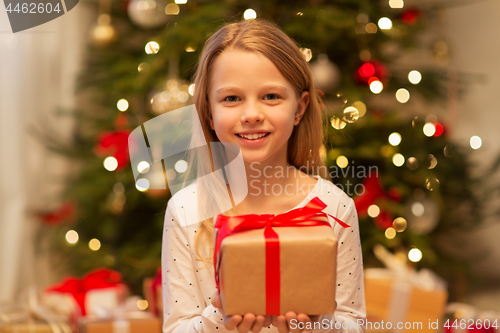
(246, 323)
(281, 324)
(268, 321)
(306, 321)
(230, 322)
(290, 315)
(216, 302)
(258, 324)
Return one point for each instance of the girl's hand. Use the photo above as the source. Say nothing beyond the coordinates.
(282, 322)
(247, 323)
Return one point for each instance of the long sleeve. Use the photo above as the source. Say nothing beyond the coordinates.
(350, 295)
(185, 310)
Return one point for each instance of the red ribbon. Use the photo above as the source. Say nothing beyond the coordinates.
(309, 215)
(78, 288)
(156, 284)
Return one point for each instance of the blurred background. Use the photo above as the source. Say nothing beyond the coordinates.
(409, 89)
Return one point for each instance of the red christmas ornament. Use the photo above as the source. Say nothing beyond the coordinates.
(373, 193)
(410, 16)
(395, 194)
(439, 129)
(65, 213)
(371, 70)
(114, 144)
(384, 220)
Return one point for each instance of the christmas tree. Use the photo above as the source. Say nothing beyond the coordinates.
(410, 182)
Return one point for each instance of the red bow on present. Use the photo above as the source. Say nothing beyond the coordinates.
(98, 279)
(307, 216)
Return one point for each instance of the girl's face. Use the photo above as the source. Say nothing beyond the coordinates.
(249, 97)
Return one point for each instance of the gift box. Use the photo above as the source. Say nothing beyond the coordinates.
(271, 264)
(394, 300)
(465, 318)
(307, 271)
(30, 316)
(27, 328)
(100, 290)
(402, 298)
(120, 325)
(153, 294)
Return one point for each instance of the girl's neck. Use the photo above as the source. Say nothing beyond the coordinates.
(274, 187)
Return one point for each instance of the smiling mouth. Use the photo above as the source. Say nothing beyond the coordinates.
(253, 136)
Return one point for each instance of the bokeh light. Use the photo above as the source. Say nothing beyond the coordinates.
(373, 211)
(307, 53)
(395, 139)
(142, 304)
(94, 244)
(143, 67)
(399, 224)
(396, 3)
(72, 237)
(432, 161)
(385, 23)
(191, 89)
(415, 255)
(172, 9)
(475, 142)
(390, 233)
(417, 208)
(371, 28)
(412, 163)
(398, 159)
(351, 114)
(250, 14)
(432, 183)
(337, 123)
(376, 87)
(152, 48)
(143, 167)
(414, 77)
(142, 184)
(402, 95)
(110, 163)
(342, 161)
(122, 104)
(429, 129)
(361, 107)
(181, 166)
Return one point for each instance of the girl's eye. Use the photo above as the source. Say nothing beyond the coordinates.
(231, 99)
(271, 96)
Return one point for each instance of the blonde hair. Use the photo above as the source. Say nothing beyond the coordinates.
(306, 139)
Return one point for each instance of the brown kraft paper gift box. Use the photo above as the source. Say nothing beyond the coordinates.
(422, 305)
(307, 271)
(132, 325)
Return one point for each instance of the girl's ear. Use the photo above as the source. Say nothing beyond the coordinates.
(302, 106)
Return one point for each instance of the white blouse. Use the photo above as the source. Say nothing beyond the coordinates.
(188, 284)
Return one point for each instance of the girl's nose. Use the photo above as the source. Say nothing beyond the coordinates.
(251, 113)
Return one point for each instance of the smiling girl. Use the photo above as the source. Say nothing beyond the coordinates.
(255, 89)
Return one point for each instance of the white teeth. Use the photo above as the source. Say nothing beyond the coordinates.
(252, 136)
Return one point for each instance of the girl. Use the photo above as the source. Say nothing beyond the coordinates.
(254, 89)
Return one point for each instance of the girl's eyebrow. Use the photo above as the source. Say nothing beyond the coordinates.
(267, 86)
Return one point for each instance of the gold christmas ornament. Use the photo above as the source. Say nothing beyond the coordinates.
(103, 33)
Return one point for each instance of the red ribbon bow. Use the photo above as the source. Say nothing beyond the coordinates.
(309, 215)
(78, 288)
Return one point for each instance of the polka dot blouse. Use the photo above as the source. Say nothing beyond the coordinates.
(188, 284)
